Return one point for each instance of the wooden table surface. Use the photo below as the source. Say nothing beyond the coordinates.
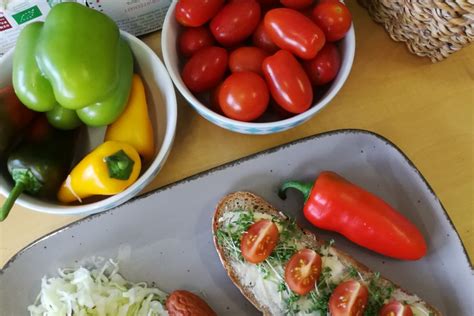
(426, 109)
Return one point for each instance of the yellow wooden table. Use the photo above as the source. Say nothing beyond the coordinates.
(426, 109)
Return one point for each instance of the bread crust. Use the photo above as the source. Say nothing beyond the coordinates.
(248, 200)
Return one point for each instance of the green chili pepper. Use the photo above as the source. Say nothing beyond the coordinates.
(39, 163)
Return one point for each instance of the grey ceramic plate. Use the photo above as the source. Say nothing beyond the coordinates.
(169, 231)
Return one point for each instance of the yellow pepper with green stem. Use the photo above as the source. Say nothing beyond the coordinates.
(134, 126)
(108, 170)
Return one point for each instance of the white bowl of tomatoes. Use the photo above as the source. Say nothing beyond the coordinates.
(258, 67)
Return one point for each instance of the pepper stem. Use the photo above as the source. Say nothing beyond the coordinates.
(120, 165)
(304, 188)
(24, 181)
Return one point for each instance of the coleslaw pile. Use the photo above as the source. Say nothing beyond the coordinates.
(98, 291)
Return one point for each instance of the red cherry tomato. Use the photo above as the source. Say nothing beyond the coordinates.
(244, 96)
(325, 66)
(291, 30)
(268, 2)
(334, 18)
(235, 22)
(247, 58)
(395, 308)
(205, 69)
(196, 12)
(348, 299)
(214, 100)
(262, 39)
(259, 241)
(297, 4)
(288, 82)
(193, 39)
(303, 271)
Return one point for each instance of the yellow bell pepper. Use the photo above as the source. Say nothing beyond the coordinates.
(134, 126)
(107, 170)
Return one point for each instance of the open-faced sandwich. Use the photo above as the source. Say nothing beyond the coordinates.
(284, 270)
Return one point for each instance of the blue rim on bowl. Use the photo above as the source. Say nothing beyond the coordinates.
(170, 56)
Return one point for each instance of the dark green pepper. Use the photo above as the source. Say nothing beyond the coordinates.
(39, 163)
(14, 117)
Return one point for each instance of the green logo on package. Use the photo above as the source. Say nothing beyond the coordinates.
(27, 15)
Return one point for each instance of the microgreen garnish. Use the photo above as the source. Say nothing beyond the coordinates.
(378, 294)
(272, 269)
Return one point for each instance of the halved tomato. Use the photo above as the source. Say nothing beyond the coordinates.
(303, 271)
(396, 308)
(259, 241)
(349, 299)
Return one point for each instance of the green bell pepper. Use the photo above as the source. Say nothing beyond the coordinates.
(75, 61)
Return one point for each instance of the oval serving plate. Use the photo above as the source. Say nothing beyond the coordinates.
(167, 233)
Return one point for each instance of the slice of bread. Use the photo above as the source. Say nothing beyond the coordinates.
(246, 201)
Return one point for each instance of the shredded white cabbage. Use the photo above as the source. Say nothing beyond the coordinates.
(97, 291)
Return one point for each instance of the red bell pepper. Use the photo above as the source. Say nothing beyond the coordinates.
(335, 204)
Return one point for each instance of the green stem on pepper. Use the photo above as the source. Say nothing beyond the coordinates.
(120, 165)
(304, 188)
(24, 181)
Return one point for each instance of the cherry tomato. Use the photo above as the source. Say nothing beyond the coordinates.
(235, 22)
(214, 100)
(297, 4)
(205, 69)
(268, 2)
(303, 271)
(259, 241)
(247, 58)
(334, 18)
(196, 12)
(348, 299)
(244, 96)
(288, 82)
(325, 66)
(291, 30)
(193, 39)
(262, 39)
(395, 308)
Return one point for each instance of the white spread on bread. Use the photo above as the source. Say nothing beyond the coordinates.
(266, 280)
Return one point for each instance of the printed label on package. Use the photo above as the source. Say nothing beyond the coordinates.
(15, 15)
(137, 17)
(27, 15)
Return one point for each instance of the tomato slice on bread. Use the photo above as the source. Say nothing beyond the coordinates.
(303, 271)
(259, 240)
(349, 299)
(396, 308)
